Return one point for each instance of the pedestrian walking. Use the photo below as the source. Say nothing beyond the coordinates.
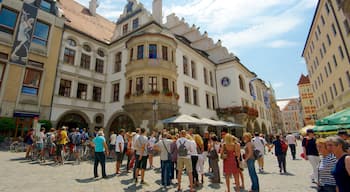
(326, 181)
(29, 140)
(200, 149)
(292, 143)
(259, 144)
(250, 160)
(184, 148)
(101, 150)
(311, 153)
(214, 150)
(119, 150)
(163, 146)
(280, 153)
(141, 155)
(229, 154)
(341, 171)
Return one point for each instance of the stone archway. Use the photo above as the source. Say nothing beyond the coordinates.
(121, 121)
(257, 127)
(73, 119)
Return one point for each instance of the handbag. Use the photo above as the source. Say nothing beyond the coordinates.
(169, 154)
(223, 155)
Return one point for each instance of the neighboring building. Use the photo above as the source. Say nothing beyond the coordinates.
(307, 100)
(327, 57)
(291, 114)
(30, 38)
(276, 114)
(345, 5)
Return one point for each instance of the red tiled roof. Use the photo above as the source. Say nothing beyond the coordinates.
(80, 19)
(303, 79)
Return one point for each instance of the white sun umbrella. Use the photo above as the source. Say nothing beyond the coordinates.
(229, 124)
(183, 119)
(213, 122)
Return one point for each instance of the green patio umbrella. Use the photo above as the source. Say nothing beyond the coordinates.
(339, 118)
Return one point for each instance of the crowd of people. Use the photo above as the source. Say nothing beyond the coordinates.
(188, 152)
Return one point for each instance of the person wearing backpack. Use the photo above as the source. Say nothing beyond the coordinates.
(184, 147)
(280, 152)
(77, 147)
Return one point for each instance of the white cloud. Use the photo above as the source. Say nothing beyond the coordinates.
(281, 44)
(277, 85)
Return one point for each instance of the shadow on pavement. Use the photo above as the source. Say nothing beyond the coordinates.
(214, 185)
(18, 159)
(87, 180)
(127, 181)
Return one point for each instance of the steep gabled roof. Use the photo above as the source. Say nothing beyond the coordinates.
(79, 18)
(304, 79)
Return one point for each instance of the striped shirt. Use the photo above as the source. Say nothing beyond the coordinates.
(324, 170)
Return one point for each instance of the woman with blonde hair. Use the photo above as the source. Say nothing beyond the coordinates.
(229, 153)
(326, 181)
(200, 148)
(239, 161)
(250, 160)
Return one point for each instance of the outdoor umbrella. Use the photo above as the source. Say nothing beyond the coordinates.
(185, 119)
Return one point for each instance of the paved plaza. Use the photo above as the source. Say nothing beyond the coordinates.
(18, 174)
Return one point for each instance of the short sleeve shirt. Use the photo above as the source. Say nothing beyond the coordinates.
(290, 139)
(141, 140)
(98, 141)
(259, 143)
(164, 146)
(120, 140)
(113, 139)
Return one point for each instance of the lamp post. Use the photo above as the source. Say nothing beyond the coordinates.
(155, 108)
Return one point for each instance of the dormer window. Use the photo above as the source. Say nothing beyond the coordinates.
(125, 29)
(135, 23)
(71, 42)
(87, 48)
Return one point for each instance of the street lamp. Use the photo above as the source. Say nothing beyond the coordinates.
(155, 108)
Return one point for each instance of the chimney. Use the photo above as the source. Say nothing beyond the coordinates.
(92, 7)
(157, 11)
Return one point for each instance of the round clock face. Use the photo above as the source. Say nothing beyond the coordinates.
(225, 81)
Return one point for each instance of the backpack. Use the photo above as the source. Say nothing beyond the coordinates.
(48, 140)
(256, 154)
(183, 152)
(76, 139)
(284, 146)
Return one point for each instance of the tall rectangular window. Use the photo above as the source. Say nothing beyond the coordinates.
(131, 54)
(152, 49)
(99, 66)
(205, 75)
(348, 77)
(116, 92)
(85, 61)
(322, 20)
(82, 91)
(31, 81)
(152, 83)
(327, 8)
(8, 19)
(96, 94)
(165, 84)
(329, 68)
(325, 71)
(118, 62)
(341, 85)
(65, 87)
(125, 29)
(139, 85)
(41, 33)
(135, 23)
(341, 53)
(140, 52)
(46, 5)
(334, 30)
(69, 56)
(211, 79)
(195, 97)
(335, 61)
(130, 86)
(165, 53)
(324, 48)
(207, 98)
(185, 65)
(329, 40)
(335, 89)
(2, 71)
(193, 70)
(187, 94)
(213, 102)
(346, 26)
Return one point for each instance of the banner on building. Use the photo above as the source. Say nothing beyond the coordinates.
(267, 99)
(251, 88)
(24, 33)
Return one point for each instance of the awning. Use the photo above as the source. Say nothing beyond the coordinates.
(185, 119)
(213, 122)
(25, 114)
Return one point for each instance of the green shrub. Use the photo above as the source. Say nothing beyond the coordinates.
(7, 123)
(46, 123)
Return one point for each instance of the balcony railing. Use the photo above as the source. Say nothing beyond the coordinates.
(250, 111)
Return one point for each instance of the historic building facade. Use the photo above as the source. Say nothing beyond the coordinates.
(291, 114)
(327, 56)
(30, 38)
(307, 100)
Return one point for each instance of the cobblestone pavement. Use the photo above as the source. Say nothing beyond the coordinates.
(18, 174)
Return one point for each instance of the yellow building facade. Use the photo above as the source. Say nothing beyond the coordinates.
(327, 57)
(30, 38)
(307, 100)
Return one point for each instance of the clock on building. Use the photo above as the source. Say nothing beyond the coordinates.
(225, 81)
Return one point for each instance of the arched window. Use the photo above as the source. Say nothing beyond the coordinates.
(100, 53)
(241, 83)
(71, 42)
(86, 48)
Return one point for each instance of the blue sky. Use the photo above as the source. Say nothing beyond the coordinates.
(267, 35)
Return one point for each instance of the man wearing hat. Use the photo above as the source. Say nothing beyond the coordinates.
(344, 135)
(311, 153)
(99, 143)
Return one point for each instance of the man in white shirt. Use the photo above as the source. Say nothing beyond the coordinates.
(259, 144)
(184, 160)
(112, 141)
(141, 155)
(119, 149)
(292, 142)
(133, 147)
